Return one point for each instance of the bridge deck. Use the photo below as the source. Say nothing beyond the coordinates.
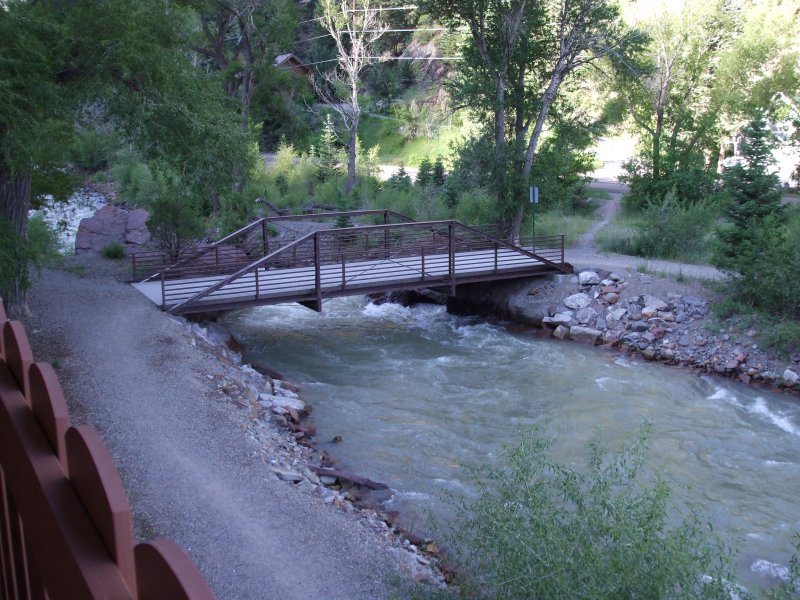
(298, 284)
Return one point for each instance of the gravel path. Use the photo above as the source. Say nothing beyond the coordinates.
(586, 254)
(192, 473)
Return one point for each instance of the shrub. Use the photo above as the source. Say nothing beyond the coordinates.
(476, 207)
(174, 222)
(43, 245)
(137, 184)
(91, 150)
(540, 529)
(668, 229)
(114, 251)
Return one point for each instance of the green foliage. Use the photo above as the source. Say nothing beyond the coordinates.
(42, 244)
(330, 154)
(174, 223)
(690, 181)
(556, 222)
(609, 530)
(13, 261)
(92, 149)
(438, 176)
(16, 255)
(669, 229)
(783, 337)
(561, 170)
(137, 185)
(425, 173)
(476, 207)
(113, 251)
(759, 245)
(401, 179)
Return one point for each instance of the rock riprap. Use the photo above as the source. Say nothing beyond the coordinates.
(666, 327)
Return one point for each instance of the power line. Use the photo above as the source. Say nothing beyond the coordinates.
(381, 58)
(379, 9)
(319, 37)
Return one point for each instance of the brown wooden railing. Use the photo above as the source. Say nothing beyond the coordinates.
(66, 530)
(372, 258)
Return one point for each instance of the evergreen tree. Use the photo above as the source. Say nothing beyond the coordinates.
(425, 173)
(400, 179)
(438, 172)
(754, 202)
(328, 151)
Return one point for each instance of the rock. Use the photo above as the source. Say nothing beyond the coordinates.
(327, 480)
(681, 317)
(584, 334)
(694, 301)
(600, 323)
(610, 337)
(645, 279)
(658, 332)
(111, 224)
(561, 332)
(614, 277)
(585, 315)
(611, 297)
(616, 314)
(284, 402)
(287, 475)
(655, 303)
(790, 377)
(648, 312)
(216, 333)
(564, 319)
(649, 354)
(639, 326)
(588, 278)
(667, 316)
(577, 301)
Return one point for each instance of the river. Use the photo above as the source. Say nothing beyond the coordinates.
(417, 393)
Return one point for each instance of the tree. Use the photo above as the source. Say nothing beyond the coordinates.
(438, 172)
(239, 40)
(753, 201)
(425, 173)
(518, 56)
(354, 28)
(127, 60)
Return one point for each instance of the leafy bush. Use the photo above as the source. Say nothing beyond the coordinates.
(91, 150)
(174, 223)
(476, 207)
(137, 184)
(114, 251)
(668, 229)
(43, 246)
(540, 529)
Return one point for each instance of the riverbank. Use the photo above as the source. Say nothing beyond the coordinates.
(202, 457)
(658, 318)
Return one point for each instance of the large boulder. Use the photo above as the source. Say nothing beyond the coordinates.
(112, 224)
(577, 301)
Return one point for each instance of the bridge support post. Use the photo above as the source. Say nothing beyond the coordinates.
(452, 256)
(317, 271)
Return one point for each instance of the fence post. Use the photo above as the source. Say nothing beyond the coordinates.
(317, 270)
(496, 248)
(265, 234)
(452, 257)
(133, 264)
(163, 293)
(343, 270)
(422, 256)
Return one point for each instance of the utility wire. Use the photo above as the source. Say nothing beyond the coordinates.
(319, 37)
(381, 58)
(379, 9)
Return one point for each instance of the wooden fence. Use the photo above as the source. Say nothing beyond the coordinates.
(66, 530)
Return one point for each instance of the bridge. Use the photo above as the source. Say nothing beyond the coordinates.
(269, 262)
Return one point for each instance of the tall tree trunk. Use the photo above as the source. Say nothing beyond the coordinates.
(351, 157)
(15, 202)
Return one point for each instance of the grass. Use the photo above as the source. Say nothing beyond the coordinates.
(114, 251)
(396, 149)
(556, 222)
(598, 194)
(79, 270)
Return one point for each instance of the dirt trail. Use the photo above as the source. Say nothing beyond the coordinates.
(586, 254)
(191, 472)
